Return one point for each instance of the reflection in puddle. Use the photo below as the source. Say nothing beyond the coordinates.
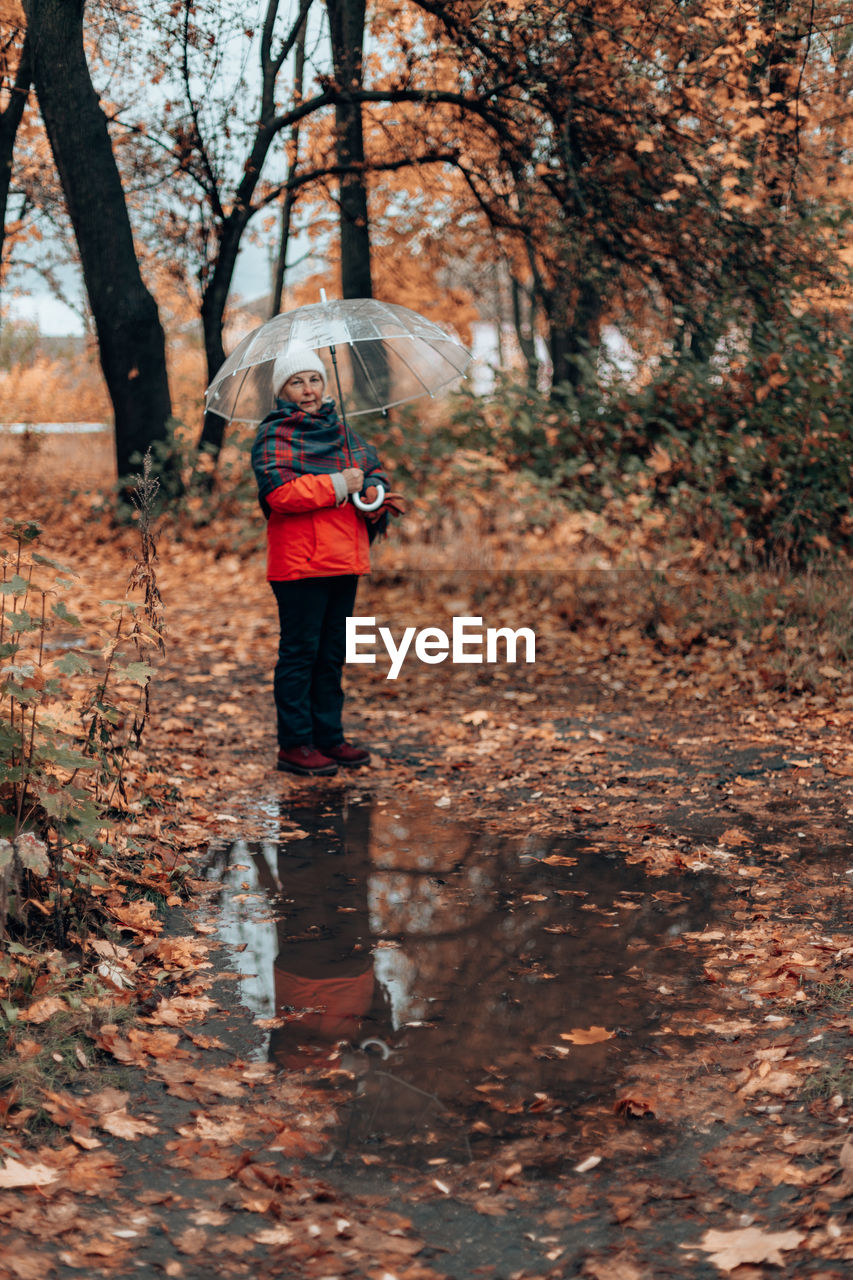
(453, 966)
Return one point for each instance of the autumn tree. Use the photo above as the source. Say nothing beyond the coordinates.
(15, 74)
(209, 140)
(211, 145)
(613, 157)
(289, 196)
(346, 23)
(624, 152)
(130, 337)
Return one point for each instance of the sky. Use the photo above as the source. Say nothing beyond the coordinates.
(253, 273)
(34, 302)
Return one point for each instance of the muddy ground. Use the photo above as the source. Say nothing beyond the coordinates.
(628, 1029)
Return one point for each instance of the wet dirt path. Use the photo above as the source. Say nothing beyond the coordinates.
(693, 922)
(744, 800)
(538, 1037)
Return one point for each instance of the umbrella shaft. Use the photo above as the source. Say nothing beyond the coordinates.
(347, 444)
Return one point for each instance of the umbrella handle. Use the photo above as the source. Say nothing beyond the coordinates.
(358, 501)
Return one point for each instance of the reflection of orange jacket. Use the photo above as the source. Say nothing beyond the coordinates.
(310, 536)
(328, 1008)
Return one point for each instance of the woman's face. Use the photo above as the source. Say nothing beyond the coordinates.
(305, 390)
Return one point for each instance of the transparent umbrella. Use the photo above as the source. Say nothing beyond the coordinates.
(382, 355)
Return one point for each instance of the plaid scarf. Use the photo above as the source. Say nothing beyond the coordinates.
(293, 443)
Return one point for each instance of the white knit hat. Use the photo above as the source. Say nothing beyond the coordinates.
(296, 360)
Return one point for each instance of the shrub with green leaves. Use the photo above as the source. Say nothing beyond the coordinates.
(752, 451)
(71, 707)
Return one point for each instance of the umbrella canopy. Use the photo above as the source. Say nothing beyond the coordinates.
(385, 354)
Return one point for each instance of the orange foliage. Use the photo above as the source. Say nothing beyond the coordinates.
(61, 390)
(186, 379)
(72, 389)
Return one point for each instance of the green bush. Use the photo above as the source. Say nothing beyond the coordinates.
(68, 718)
(752, 452)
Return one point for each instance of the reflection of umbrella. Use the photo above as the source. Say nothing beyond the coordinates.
(384, 355)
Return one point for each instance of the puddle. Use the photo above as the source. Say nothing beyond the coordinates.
(443, 969)
(53, 428)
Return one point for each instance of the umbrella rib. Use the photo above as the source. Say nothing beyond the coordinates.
(233, 411)
(380, 400)
(412, 371)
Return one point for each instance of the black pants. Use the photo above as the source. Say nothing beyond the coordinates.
(309, 699)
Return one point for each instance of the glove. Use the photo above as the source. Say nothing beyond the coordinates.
(394, 504)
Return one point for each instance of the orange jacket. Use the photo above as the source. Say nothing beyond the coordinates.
(310, 536)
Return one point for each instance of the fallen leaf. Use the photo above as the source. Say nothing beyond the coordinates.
(122, 1125)
(274, 1235)
(615, 1267)
(587, 1035)
(112, 974)
(777, 1082)
(44, 1009)
(107, 950)
(28, 1049)
(26, 1266)
(845, 1160)
(15, 1174)
(635, 1107)
(182, 953)
(137, 916)
(181, 1009)
(191, 1240)
(730, 1249)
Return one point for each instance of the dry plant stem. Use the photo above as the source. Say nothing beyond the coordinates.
(100, 693)
(23, 784)
(143, 573)
(26, 594)
(42, 627)
(142, 576)
(56, 858)
(119, 767)
(27, 751)
(12, 701)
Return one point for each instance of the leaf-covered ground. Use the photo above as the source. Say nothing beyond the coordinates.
(645, 729)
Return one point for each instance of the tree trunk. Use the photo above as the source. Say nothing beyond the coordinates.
(213, 425)
(283, 246)
(9, 122)
(230, 227)
(290, 193)
(130, 337)
(525, 330)
(213, 303)
(573, 332)
(346, 23)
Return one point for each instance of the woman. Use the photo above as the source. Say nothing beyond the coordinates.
(317, 546)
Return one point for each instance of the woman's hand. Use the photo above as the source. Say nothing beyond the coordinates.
(354, 477)
(394, 504)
